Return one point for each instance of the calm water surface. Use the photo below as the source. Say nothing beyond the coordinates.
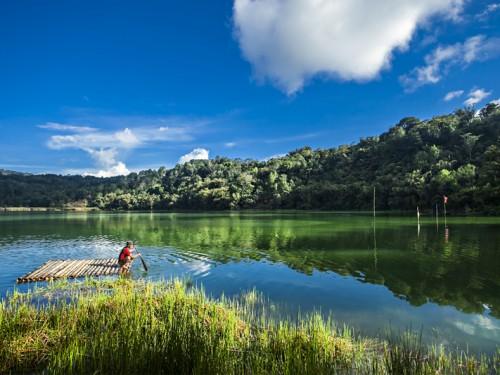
(443, 280)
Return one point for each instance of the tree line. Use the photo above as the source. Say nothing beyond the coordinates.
(415, 162)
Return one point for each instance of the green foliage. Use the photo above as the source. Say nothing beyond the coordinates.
(125, 327)
(414, 163)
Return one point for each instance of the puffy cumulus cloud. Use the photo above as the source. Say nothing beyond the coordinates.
(196, 154)
(439, 61)
(127, 138)
(289, 41)
(475, 96)
(108, 165)
(452, 95)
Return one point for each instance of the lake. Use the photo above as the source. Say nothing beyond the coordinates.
(389, 275)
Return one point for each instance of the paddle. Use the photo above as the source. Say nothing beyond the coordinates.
(142, 261)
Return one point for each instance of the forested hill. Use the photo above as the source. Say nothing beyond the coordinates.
(415, 162)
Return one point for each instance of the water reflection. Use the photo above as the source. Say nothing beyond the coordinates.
(461, 271)
(454, 265)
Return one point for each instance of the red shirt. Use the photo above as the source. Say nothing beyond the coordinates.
(125, 253)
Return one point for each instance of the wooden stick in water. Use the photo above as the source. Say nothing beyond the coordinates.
(110, 269)
(63, 272)
(39, 271)
(90, 264)
(48, 275)
(82, 269)
(71, 270)
(36, 272)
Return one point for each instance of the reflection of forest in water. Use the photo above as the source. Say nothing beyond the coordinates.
(458, 267)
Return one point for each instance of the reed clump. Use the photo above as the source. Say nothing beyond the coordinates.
(124, 326)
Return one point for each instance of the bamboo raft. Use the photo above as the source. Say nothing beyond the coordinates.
(57, 269)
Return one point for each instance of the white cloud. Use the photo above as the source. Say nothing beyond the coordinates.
(490, 8)
(475, 96)
(196, 154)
(439, 61)
(452, 95)
(230, 144)
(106, 163)
(127, 138)
(277, 156)
(123, 139)
(65, 127)
(119, 169)
(290, 41)
(496, 101)
(106, 148)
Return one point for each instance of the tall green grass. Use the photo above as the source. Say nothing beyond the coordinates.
(123, 326)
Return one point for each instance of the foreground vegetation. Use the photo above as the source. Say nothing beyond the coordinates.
(130, 327)
(416, 162)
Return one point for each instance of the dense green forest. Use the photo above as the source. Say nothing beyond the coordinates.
(415, 162)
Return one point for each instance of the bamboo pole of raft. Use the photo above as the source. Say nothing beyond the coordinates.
(113, 267)
(89, 268)
(104, 263)
(108, 269)
(102, 267)
(72, 273)
(63, 271)
(50, 271)
(98, 271)
(76, 269)
(70, 269)
(40, 271)
(82, 268)
(86, 269)
(93, 268)
(83, 271)
(35, 272)
(95, 272)
(109, 266)
(57, 269)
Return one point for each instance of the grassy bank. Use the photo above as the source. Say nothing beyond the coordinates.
(131, 327)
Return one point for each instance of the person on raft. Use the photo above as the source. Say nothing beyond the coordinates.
(125, 258)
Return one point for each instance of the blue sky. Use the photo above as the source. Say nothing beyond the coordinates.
(107, 87)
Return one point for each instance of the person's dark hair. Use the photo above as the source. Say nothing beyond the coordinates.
(130, 243)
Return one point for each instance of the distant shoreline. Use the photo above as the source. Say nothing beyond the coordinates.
(423, 213)
(49, 209)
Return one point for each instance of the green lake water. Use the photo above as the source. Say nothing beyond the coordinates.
(389, 275)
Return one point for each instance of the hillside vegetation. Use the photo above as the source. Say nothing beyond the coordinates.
(415, 162)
